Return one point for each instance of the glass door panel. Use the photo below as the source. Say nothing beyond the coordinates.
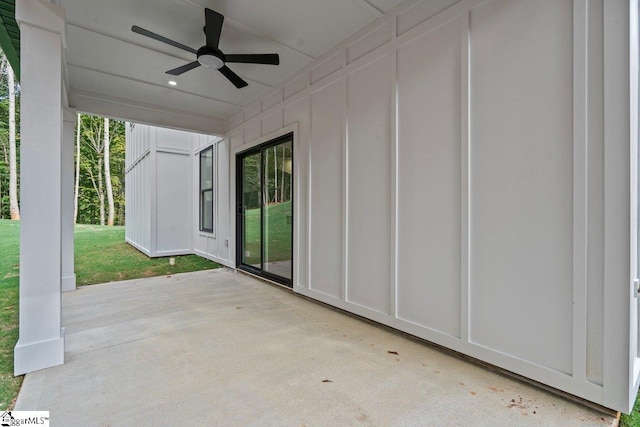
(277, 213)
(251, 206)
(265, 210)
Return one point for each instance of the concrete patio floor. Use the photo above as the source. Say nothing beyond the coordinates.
(220, 348)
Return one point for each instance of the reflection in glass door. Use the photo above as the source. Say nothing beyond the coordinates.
(277, 215)
(265, 210)
(251, 204)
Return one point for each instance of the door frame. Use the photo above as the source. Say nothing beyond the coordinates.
(239, 156)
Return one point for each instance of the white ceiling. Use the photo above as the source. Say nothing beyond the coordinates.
(107, 60)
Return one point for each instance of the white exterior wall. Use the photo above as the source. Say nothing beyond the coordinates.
(137, 188)
(159, 190)
(214, 246)
(462, 174)
(634, 129)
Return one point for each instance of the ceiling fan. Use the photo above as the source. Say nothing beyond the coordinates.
(209, 55)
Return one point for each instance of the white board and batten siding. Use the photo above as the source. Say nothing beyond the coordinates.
(159, 200)
(137, 187)
(461, 175)
(162, 169)
(215, 245)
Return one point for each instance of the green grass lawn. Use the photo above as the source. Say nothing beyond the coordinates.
(633, 419)
(9, 261)
(101, 255)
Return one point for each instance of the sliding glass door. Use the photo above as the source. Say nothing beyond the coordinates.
(251, 207)
(265, 210)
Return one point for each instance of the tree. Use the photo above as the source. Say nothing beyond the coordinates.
(76, 192)
(275, 174)
(5, 211)
(4, 165)
(107, 171)
(14, 209)
(93, 131)
(117, 167)
(93, 182)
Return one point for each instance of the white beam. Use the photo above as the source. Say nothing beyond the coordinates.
(134, 111)
(163, 87)
(371, 8)
(179, 54)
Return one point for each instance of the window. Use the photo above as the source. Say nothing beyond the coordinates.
(206, 190)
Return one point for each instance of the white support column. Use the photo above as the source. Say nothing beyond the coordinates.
(617, 376)
(41, 341)
(68, 145)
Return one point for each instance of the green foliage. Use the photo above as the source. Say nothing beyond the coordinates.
(278, 185)
(4, 186)
(117, 129)
(267, 175)
(4, 141)
(92, 131)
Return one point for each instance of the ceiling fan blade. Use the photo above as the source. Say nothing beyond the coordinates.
(184, 68)
(159, 38)
(233, 77)
(213, 28)
(266, 58)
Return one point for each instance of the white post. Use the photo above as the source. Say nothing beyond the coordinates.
(617, 375)
(41, 341)
(68, 176)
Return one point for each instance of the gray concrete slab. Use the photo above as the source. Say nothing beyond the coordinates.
(220, 348)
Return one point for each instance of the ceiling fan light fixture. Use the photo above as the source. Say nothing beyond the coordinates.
(210, 61)
(210, 56)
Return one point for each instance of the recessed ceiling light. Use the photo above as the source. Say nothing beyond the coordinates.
(172, 83)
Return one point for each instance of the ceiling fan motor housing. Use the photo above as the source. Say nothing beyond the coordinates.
(210, 55)
(210, 59)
